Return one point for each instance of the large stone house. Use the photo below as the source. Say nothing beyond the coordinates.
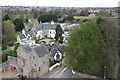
(45, 30)
(33, 61)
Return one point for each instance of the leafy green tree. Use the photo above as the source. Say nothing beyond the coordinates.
(26, 20)
(58, 34)
(61, 40)
(19, 24)
(110, 32)
(84, 13)
(8, 33)
(84, 51)
(70, 17)
(48, 18)
(35, 15)
(6, 17)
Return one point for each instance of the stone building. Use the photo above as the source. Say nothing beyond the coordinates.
(33, 61)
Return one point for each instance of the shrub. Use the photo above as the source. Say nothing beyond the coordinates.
(15, 50)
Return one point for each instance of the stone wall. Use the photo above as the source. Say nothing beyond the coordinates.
(12, 61)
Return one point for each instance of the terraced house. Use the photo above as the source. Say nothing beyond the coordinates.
(45, 30)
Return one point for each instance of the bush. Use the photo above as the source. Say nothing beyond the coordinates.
(4, 46)
(51, 63)
(15, 50)
(11, 44)
(5, 54)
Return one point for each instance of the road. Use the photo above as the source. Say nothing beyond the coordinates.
(59, 72)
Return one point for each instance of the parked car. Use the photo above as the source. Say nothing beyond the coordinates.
(51, 38)
(44, 41)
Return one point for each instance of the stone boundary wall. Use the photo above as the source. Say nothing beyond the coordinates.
(12, 61)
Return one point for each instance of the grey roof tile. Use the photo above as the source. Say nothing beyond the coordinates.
(26, 48)
(41, 50)
(22, 36)
(45, 26)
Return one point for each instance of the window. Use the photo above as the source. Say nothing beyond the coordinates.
(39, 69)
(50, 32)
(35, 65)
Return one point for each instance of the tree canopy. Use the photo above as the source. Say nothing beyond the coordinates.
(19, 24)
(6, 17)
(8, 33)
(47, 18)
(35, 15)
(58, 34)
(110, 32)
(84, 51)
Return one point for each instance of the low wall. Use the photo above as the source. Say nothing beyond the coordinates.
(12, 61)
(5, 66)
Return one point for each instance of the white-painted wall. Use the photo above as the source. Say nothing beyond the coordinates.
(39, 33)
(58, 52)
(52, 33)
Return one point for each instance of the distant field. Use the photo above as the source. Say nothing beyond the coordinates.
(83, 17)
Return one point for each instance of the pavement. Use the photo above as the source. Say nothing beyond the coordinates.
(59, 72)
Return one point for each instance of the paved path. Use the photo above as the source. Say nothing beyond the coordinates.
(59, 72)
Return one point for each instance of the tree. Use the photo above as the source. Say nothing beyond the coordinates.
(84, 51)
(84, 13)
(61, 40)
(8, 33)
(48, 18)
(26, 20)
(109, 30)
(6, 17)
(35, 15)
(19, 24)
(58, 34)
(70, 17)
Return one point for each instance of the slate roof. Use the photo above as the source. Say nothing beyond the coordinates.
(29, 32)
(28, 26)
(26, 48)
(22, 36)
(45, 26)
(57, 48)
(41, 50)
